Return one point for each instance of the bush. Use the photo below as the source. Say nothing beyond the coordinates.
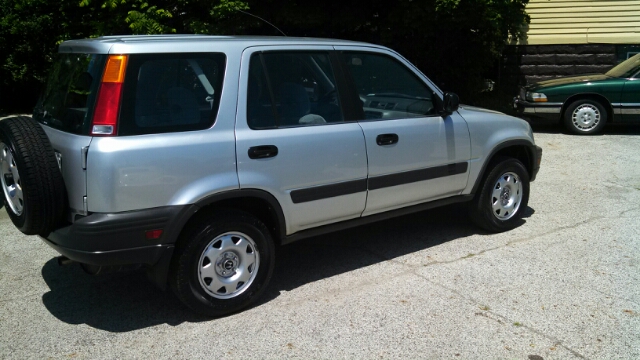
(454, 42)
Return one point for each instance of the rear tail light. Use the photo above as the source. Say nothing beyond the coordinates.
(105, 116)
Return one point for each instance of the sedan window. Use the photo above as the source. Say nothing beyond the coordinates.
(627, 68)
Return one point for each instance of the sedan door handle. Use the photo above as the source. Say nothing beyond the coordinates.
(263, 151)
(386, 139)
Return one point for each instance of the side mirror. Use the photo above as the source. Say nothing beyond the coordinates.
(450, 103)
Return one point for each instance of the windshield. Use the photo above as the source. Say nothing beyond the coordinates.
(68, 97)
(627, 68)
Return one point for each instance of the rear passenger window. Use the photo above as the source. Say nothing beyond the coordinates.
(171, 93)
(288, 89)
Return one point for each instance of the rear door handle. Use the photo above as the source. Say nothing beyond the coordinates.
(387, 139)
(263, 151)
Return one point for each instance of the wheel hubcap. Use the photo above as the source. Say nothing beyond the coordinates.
(228, 265)
(11, 184)
(506, 196)
(585, 117)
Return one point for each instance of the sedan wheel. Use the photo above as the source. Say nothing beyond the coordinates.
(585, 117)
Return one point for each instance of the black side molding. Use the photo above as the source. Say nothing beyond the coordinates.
(379, 182)
(373, 218)
(328, 191)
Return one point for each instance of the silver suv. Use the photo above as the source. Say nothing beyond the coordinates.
(194, 156)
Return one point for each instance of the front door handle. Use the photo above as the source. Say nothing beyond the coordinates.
(263, 151)
(387, 139)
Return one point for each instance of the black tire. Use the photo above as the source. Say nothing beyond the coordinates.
(25, 151)
(590, 121)
(198, 246)
(487, 211)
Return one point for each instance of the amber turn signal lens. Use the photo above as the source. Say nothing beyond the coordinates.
(114, 71)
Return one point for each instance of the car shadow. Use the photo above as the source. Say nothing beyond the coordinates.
(118, 302)
(123, 302)
(609, 129)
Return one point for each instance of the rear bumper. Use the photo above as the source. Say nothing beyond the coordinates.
(547, 112)
(120, 239)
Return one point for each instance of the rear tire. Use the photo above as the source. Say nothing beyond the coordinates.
(33, 187)
(223, 263)
(503, 196)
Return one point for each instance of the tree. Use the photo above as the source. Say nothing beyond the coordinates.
(454, 42)
(31, 30)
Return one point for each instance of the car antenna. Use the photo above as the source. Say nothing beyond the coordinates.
(255, 16)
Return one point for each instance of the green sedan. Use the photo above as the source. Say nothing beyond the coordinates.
(585, 103)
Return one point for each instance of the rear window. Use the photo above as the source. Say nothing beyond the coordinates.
(69, 95)
(171, 92)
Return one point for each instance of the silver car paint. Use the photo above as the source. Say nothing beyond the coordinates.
(70, 147)
(145, 171)
(185, 43)
(423, 143)
(308, 156)
(136, 172)
(489, 129)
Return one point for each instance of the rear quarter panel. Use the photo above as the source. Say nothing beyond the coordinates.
(145, 171)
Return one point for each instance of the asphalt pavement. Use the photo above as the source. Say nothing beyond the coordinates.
(563, 285)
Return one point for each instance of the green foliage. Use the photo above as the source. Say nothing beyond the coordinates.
(454, 42)
(31, 30)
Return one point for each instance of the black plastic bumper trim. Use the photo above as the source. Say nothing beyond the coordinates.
(536, 162)
(100, 232)
(148, 255)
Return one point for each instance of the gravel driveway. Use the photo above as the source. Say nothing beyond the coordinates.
(563, 285)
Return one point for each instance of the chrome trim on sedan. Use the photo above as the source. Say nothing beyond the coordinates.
(626, 108)
(624, 111)
(548, 110)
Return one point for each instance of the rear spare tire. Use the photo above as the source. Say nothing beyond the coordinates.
(33, 188)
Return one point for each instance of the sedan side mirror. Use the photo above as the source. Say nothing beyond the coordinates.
(450, 104)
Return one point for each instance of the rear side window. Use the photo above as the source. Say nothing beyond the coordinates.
(289, 89)
(171, 93)
(67, 100)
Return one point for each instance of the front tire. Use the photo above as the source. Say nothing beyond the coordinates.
(585, 117)
(223, 263)
(503, 196)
